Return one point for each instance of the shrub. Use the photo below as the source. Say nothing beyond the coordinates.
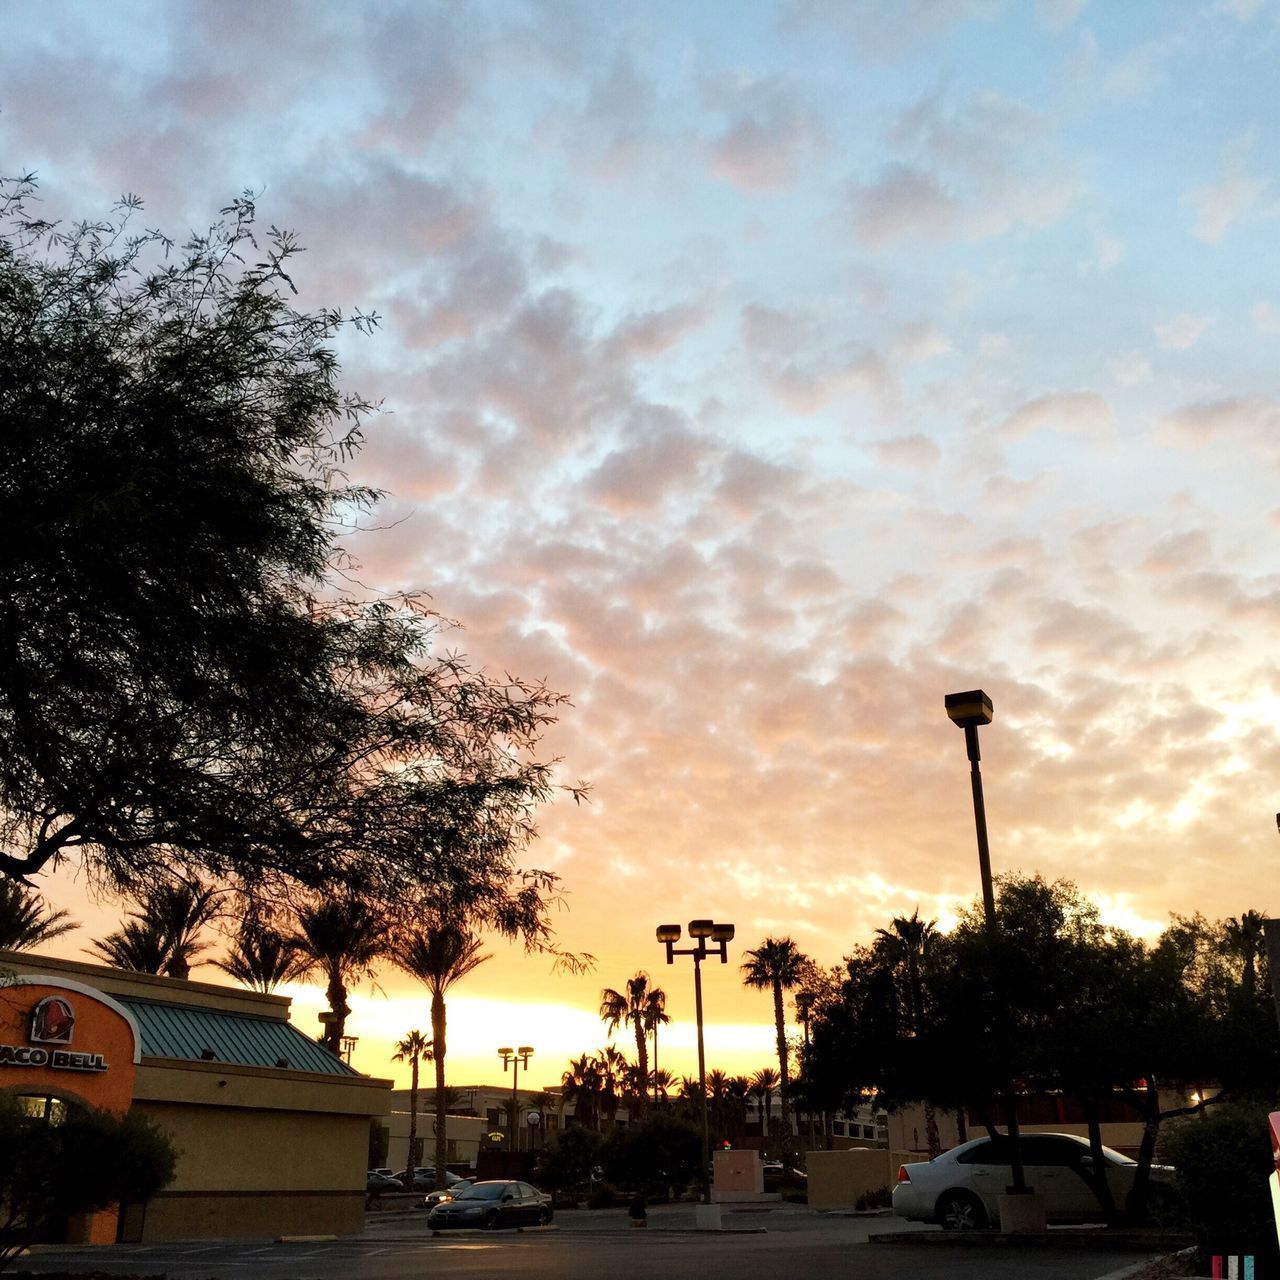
(51, 1171)
(1223, 1162)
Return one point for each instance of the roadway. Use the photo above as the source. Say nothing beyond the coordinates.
(788, 1241)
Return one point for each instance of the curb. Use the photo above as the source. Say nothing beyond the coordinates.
(1120, 1242)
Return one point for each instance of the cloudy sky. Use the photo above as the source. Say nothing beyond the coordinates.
(757, 374)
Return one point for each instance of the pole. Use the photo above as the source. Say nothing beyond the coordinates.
(515, 1127)
(702, 1082)
(980, 822)
(989, 912)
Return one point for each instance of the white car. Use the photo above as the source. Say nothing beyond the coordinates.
(959, 1189)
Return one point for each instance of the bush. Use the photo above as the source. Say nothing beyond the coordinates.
(565, 1165)
(880, 1198)
(659, 1154)
(1223, 1162)
(93, 1159)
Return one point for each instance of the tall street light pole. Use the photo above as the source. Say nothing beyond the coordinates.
(721, 935)
(969, 710)
(515, 1059)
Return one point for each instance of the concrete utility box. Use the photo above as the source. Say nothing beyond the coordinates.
(838, 1179)
(738, 1176)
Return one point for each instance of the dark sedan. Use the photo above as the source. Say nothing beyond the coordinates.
(490, 1205)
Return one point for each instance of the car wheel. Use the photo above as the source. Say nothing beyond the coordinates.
(544, 1216)
(961, 1211)
(490, 1222)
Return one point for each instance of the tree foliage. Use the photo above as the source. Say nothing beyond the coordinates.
(1069, 1006)
(25, 920)
(656, 1157)
(91, 1160)
(184, 685)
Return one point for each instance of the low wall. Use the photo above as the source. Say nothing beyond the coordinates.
(837, 1179)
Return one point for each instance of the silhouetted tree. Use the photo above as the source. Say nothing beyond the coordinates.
(439, 953)
(777, 965)
(638, 1007)
(25, 920)
(414, 1048)
(341, 937)
(185, 686)
(261, 957)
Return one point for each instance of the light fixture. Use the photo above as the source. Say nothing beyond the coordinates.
(722, 933)
(669, 933)
(701, 928)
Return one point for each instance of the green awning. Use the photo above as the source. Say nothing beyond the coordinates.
(198, 1034)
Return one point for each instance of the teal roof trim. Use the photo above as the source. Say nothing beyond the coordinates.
(190, 1032)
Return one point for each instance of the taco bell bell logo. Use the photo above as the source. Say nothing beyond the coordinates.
(52, 1021)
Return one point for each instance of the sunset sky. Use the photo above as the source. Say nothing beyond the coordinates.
(758, 373)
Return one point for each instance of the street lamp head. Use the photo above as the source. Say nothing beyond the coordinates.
(669, 933)
(505, 1053)
(972, 707)
(722, 933)
(525, 1051)
(701, 928)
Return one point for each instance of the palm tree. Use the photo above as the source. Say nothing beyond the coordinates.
(341, 937)
(413, 1048)
(634, 1007)
(137, 945)
(261, 958)
(1244, 939)
(906, 949)
(662, 1082)
(162, 933)
(763, 1084)
(438, 955)
(25, 921)
(777, 965)
(582, 1086)
(615, 1072)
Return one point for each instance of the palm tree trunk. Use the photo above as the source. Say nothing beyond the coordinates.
(784, 1074)
(642, 1062)
(412, 1158)
(442, 1137)
(336, 993)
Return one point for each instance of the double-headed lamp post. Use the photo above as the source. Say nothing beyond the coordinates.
(719, 935)
(970, 710)
(515, 1059)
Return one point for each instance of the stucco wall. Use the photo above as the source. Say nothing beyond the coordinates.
(254, 1172)
(838, 1178)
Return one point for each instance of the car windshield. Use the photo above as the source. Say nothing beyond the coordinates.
(482, 1191)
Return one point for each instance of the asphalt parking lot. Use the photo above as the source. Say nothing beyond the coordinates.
(792, 1242)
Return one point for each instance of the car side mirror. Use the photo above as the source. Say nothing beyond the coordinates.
(1086, 1162)
(508, 1196)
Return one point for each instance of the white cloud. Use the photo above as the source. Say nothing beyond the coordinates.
(1266, 317)
(1183, 331)
(1130, 369)
(1236, 194)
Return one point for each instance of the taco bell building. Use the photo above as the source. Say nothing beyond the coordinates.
(272, 1131)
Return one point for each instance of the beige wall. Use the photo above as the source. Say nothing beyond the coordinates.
(838, 1178)
(258, 1172)
(463, 1134)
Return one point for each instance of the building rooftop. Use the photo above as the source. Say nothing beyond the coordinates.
(212, 1035)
